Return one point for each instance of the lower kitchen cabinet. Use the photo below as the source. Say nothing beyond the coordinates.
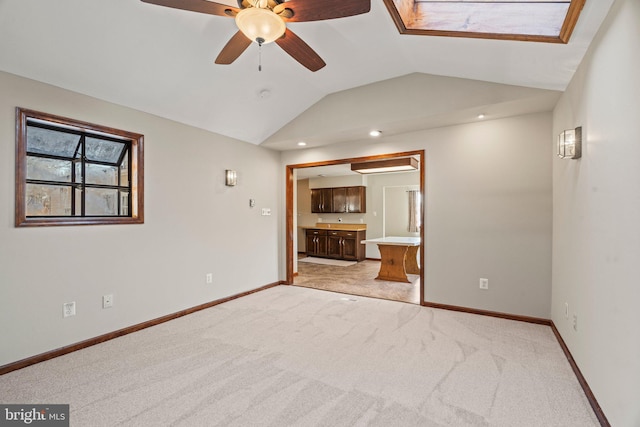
(337, 244)
(317, 243)
(351, 246)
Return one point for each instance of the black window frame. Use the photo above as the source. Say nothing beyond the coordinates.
(135, 152)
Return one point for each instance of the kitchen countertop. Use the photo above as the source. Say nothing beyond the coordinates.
(337, 226)
(396, 241)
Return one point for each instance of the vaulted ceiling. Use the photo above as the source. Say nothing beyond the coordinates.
(160, 60)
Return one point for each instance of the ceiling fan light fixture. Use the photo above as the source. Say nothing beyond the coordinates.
(257, 23)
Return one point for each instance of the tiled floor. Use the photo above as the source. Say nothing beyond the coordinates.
(358, 279)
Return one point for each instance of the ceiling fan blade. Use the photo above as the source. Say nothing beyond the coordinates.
(234, 48)
(300, 51)
(305, 10)
(202, 6)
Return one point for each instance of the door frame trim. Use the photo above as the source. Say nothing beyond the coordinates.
(289, 181)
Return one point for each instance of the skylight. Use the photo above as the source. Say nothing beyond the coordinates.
(528, 20)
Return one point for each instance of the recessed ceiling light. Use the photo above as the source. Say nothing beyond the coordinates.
(301, 144)
(481, 116)
(375, 133)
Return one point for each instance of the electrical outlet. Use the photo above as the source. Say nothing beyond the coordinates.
(566, 310)
(69, 309)
(484, 283)
(266, 212)
(107, 301)
(575, 322)
(209, 278)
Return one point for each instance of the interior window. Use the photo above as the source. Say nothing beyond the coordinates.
(70, 172)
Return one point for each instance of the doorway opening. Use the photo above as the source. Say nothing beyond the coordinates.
(292, 226)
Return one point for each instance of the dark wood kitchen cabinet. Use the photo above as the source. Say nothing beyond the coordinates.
(339, 200)
(317, 243)
(352, 249)
(334, 245)
(350, 199)
(338, 244)
(322, 200)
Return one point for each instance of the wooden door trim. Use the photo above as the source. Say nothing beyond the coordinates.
(289, 205)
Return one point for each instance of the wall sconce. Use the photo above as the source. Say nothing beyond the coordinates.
(230, 178)
(570, 144)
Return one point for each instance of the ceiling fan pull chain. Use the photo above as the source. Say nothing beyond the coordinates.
(260, 40)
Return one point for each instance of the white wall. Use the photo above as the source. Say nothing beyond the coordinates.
(193, 225)
(396, 211)
(303, 214)
(380, 218)
(596, 217)
(488, 209)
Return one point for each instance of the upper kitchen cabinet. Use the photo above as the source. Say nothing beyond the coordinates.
(321, 200)
(339, 200)
(350, 199)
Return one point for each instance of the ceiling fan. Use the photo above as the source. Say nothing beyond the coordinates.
(264, 21)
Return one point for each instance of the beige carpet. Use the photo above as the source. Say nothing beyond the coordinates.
(291, 356)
